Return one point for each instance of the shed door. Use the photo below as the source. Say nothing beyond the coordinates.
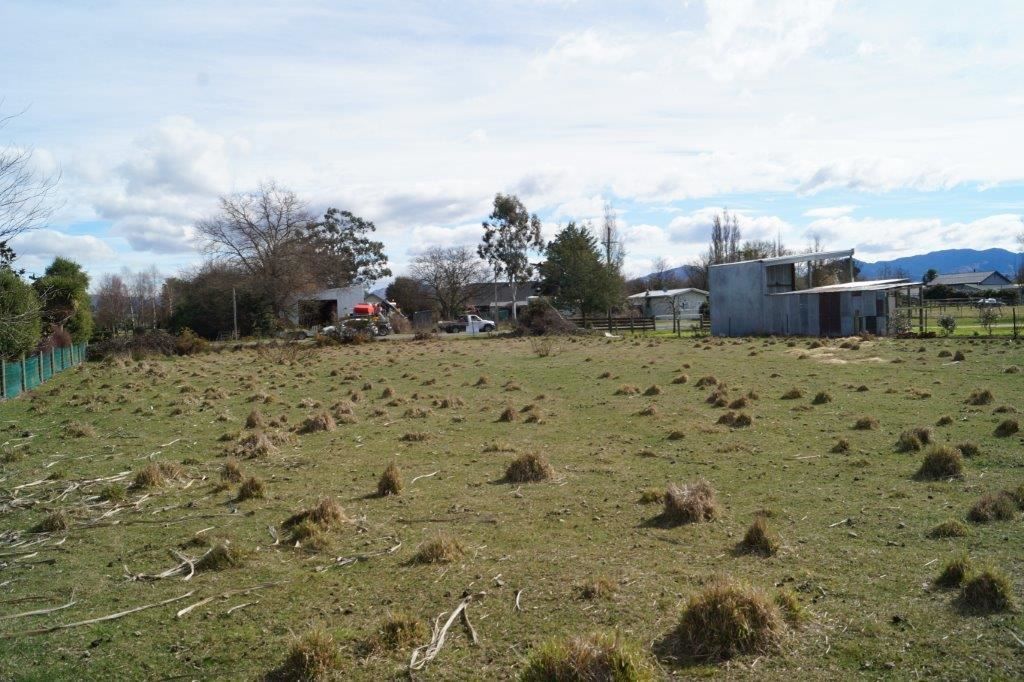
(828, 314)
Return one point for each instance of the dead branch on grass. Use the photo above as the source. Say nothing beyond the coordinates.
(422, 655)
(91, 621)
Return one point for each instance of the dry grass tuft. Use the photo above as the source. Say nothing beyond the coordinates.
(218, 558)
(597, 657)
(390, 482)
(598, 588)
(969, 449)
(821, 398)
(653, 390)
(312, 658)
(529, 468)
(255, 420)
(509, 414)
(1007, 428)
(759, 539)
(155, 475)
(793, 394)
(415, 437)
(841, 447)
(954, 573)
(397, 631)
(326, 514)
(676, 435)
(649, 411)
(254, 445)
(959, 356)
(56, 522)
(980, 396)
(989, 508)
(866, 424)
(692, 503)
(944, 420)
(321, 421)
(681, 379)
(650, 496)
(727, 620)
(948, 529)
(709, 380)
(252, 488)
(1012, 369)
(231, 470)
(988, 592)
(790, 607)
(913, 440)
(442, 549)
(735, 420)
(627, 389)
(76, 429)
(941, 461)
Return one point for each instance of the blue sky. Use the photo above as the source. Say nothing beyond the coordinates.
(894, 128)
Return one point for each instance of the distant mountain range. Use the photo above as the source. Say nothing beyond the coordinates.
(947, 261)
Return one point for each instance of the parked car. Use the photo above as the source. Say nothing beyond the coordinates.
(989, 303)
(466, 323)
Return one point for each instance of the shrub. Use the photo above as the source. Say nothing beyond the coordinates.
(190, 343)
(252, 488)
(20, 305)
(312, 657)
(954, 573)
(941, 461)
(543, 346)
(539, 319)
(948, 324)
(988, 592)
(1017, 494)
(255, 444)
(989, 507)
(442, 549)
(113, 492)
(726, 620)
(691, 503)
(1007, 428)
(759, 539)
(390, 482)
(589, 658)
(980, 396)
(948, 529)
(529, 468)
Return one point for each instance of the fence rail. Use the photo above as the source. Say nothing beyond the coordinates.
(28, 372)
(617, 323)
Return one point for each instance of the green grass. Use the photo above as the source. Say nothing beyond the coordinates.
(851, 578)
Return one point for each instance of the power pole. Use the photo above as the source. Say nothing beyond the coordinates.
(234, 311)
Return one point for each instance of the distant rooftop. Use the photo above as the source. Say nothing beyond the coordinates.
(798, 258)
(965, 278)
(665, 293)
(869, 285)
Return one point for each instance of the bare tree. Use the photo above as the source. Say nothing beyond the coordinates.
(113, 303)
(661, 278)
(448, 274)
(25, 195)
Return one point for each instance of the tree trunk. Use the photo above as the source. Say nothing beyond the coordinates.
(515, 296)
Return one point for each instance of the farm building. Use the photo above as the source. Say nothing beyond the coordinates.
(764, 297)
(322, 307)
(495, 299)
(668, 302)
(969, 282)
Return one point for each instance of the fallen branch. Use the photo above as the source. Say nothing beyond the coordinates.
(517, 606)
(39, 612)
(424, 476)
(348, 561)
(240, 606)
(224, 595)
(433, 648)
(101, 619)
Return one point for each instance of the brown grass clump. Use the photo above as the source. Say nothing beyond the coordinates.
(326, 514)
(718, 398)
(321, 421)
(980, 396)
(450, 402)
(914, 439)
(56, 522)
(759, 539)
(681, 379)
(692, 503)
(650, 496)
(343, 407)
(76, 429)
(948, 529)
(255, 444)
(941, 461)
(598, 588)
(596, 657)
(627, 389)
(218, 558)
(313, 657)
(397, 631)
(252, 488)
(482, 381)
(509, 414)
(954, 573)
(1018, 496)
(841, 447)
(649, 411)
(150, 476)
(676, 435)
(988, 592)
(442, 549)
(989, 507)
(727, 620)
(390, 482)
(969, 449)
(653, 390)
(1012, 369)
(792, 611)
(735, 420)
(739, 403)
(944, 420)
(1007, 428)
(231, 470)
(821, 398)
(255, 420)
(415, 437)
(529, 468)
(866, 424)
(709, 380)
(793, 394)
(959, 356)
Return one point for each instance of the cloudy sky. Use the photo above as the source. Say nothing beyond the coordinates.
(895, 128)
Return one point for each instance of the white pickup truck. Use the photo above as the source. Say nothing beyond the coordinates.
(466, 323)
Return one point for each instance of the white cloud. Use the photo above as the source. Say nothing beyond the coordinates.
(829, 211)
(695, 228)
(588, 46)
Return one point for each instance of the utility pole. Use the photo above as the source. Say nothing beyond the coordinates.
(234, 311)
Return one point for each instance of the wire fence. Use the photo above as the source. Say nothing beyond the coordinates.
(28, 372)
(966, 319)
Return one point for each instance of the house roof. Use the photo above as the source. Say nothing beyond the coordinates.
(799, 258)
(966, 278)
(487, 293)
(869, 285)
(664, 293)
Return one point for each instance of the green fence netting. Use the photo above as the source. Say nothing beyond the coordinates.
(25, 374)
(12, 379)
(31, 372)
(46, 363)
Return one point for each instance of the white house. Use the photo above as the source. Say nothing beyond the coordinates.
(322, 307)
(665, 303)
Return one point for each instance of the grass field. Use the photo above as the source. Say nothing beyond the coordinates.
(581, 552)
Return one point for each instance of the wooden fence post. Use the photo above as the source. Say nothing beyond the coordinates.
(39, 368)
(24, 374)
(3, 378)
